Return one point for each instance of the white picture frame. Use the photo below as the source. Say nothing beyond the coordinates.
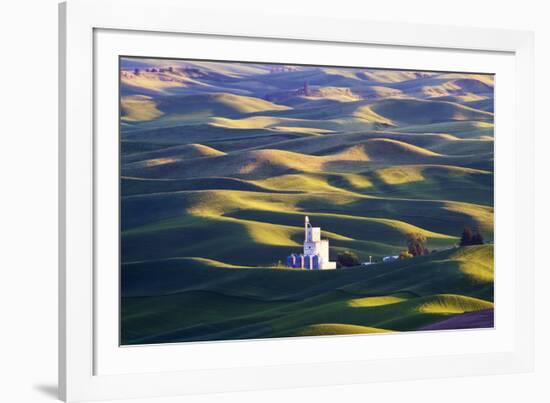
(83, 296)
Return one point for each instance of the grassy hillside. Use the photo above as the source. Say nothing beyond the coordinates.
(192, 108)
(408, 111)
(186, 151)
(266, 226)
(220, 163)
(239, 302)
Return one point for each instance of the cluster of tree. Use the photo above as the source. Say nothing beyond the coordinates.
(160, 70)
(154, 70)
(416, 244)
(347, 259)
(470, 237)
(281, 69)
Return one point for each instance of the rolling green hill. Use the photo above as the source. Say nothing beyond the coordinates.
(185, 151)
(266, 226)
(265, 163)
(408, 111)
(192, 108)
(239, 302)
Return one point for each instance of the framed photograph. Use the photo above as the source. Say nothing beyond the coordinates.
(344, 202)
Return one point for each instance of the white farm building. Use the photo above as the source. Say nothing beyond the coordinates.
(315, 256)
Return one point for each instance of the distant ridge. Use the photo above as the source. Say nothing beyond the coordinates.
(414, 111)
(186, 151)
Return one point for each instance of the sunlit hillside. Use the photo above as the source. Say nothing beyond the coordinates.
(221, 162)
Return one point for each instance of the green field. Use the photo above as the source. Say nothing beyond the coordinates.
(198, 299)
(221, 162)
